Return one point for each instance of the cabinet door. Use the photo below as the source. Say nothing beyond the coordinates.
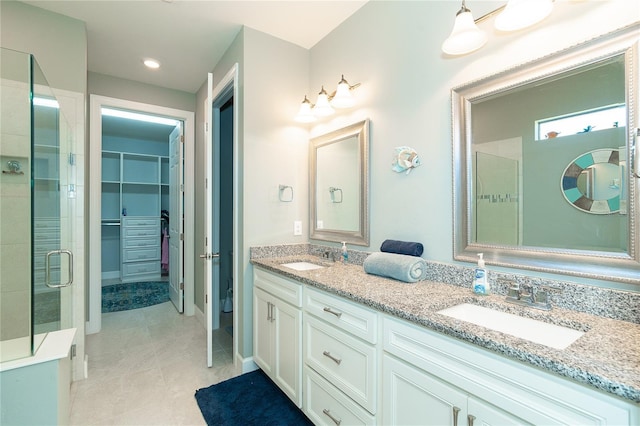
(262, 334)
(288, 350)
(412, 397)
(484, 414)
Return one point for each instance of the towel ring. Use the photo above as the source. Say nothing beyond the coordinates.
(333, 191)
(281, 193)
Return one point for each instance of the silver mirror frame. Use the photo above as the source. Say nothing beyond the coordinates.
(361, 236)
(608, 266)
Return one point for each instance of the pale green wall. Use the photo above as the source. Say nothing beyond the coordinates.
(58, 42)
(119, 88)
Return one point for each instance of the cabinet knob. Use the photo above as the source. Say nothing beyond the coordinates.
(456, 411)
(331, 357)
(328, 414)
(470, 419)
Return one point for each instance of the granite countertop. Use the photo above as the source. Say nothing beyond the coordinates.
(606, 357)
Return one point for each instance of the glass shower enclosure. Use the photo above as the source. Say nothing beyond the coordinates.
(36, 271)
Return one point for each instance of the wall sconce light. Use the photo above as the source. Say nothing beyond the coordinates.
(325, 104)
(466, 37)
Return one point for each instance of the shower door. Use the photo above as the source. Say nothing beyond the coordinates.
(52, 190)
(34, 147)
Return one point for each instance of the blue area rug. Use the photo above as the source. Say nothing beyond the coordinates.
(123, 297)
(248, 400)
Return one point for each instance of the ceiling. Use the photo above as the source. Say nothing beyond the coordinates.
(189, 37)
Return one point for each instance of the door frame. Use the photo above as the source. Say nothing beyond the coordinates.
(94, 322)
(225, 89)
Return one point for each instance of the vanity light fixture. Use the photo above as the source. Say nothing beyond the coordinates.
(466, 37)
(519, 14)
(325, 104)
(322, 107)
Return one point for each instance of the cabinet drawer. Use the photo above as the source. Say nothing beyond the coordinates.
(141, 232)
(140, 242)
(140, 268)
(287, 290)
(136, 255)
(345, 361)
(357, 320)
(140, 221)
(326, 405)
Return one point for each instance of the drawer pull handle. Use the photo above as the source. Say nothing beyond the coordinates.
(470, 419)
(331, 311)
(328, 413)
(333, 358)
(456, 410)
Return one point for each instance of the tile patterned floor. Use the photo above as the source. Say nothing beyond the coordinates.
(145, 366)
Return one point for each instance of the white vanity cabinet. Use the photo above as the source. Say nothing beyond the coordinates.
(341, 360)
(428, 377)
(277, 331)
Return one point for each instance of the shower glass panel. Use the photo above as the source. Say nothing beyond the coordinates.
(34, 187)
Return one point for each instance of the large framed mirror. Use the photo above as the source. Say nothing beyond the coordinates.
(532, 147)
(339, 185)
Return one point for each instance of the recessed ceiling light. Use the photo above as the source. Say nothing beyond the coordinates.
(151, 63)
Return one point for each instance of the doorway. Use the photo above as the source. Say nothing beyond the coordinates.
(134, 189)
(222, 212)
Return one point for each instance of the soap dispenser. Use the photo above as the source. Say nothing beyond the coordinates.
(345, 253)
(480, 281)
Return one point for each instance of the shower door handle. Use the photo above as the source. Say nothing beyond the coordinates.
(47, 268)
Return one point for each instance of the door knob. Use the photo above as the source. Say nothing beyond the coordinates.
(209, 255)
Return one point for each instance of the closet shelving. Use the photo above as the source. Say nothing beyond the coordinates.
(133, 186)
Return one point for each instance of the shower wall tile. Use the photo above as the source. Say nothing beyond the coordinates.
(15, 314)
(15, 261)
(14, 229)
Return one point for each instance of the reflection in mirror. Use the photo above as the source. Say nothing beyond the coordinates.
(591, 182)
(517, 135)
(339, 185)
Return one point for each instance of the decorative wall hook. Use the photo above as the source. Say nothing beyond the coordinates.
(405, 159)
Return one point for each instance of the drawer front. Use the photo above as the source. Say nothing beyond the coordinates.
(326, 405)
(342, 314)
(140, 221)
(140, 242)
(141, 232)
(137, 255)
(345, 361)
(287, 290)
(140, 268)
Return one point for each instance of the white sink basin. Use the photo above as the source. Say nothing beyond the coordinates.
(551, 335)
(302, 266)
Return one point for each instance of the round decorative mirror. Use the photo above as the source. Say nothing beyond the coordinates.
(591, 182)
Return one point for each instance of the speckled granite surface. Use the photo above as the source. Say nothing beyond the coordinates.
(606, 357)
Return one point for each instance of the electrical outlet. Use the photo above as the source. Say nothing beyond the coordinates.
(297, 227)
(320, 224)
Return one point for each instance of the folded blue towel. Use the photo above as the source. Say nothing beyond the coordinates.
(402, 247)
(397, 266)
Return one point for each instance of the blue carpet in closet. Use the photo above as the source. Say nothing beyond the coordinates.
(123, 297)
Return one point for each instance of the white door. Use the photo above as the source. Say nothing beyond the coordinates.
(212, 303)
(176, 287)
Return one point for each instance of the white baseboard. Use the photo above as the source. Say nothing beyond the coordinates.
(110, 275)
(246, 364)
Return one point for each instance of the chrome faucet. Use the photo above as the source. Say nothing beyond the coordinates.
(528, 296)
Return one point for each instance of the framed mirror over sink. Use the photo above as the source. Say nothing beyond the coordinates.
(339, 185)
(543, 161)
